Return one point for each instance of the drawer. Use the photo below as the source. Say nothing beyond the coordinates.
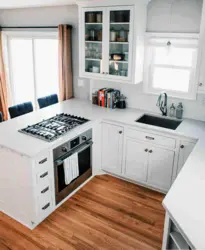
(43, 178)
(45, 209)
(151, 138)
(44, 196)
(42, 161)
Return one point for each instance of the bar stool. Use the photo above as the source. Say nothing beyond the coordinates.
(47, 101)
(20, 109)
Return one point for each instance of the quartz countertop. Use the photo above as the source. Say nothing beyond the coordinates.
(185, 201)
(30, 146)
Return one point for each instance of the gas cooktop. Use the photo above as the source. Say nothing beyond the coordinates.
(53, 128)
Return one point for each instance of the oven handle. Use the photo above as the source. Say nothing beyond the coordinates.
(77, 150)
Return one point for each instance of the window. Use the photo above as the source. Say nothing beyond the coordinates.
(170, 65)
(32, 60)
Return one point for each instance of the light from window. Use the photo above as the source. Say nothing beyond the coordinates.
(171, 68)
(46, 66)
(33, 68)
(171, 79)
(21, 70)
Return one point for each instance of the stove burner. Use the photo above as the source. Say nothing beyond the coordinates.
(53, 128)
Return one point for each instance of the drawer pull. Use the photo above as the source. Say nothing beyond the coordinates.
(45, 190)
(149, 138)
(46, 206)
(43, 161)
(44, 175)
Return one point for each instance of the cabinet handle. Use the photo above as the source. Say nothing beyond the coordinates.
(150, 151)
(43, 161)
(146, 150)
(182, 146)
(120, 132)
(149, 138)
(44, 175)
(200, 84)
(46, 206)
(45, 190)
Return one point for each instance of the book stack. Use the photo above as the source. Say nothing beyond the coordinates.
(108, 98)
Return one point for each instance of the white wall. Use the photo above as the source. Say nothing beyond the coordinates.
(174, 16)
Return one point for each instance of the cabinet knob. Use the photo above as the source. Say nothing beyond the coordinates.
(200, 84)
(146, 150)
(120, 132)
(182, 146)
(150, 151)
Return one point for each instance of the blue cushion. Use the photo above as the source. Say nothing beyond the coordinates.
(47, 101)
(20, 109)
(1, 117)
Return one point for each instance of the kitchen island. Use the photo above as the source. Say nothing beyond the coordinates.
(183, 202)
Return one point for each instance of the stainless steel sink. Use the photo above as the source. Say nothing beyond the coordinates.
(159, 121)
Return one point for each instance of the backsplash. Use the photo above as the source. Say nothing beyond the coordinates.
(137, 99)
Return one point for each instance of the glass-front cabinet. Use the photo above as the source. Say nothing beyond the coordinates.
(106, 43)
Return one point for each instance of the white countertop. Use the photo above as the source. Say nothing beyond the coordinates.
(30, 146)
(185, 201)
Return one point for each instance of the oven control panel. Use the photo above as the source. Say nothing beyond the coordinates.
(72, 144)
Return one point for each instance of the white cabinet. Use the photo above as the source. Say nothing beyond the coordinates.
(136, 163)
(111, 44)
(112, 148)
(201, 55)
(148, 163)
(185, 150)
(160, 167)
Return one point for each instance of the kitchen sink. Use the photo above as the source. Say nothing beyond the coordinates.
(159, 121)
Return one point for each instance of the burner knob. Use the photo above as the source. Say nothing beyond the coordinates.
(64, 149)
(84, 138)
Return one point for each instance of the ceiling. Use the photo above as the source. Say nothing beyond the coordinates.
(12, 4)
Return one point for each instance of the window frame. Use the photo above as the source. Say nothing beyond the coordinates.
(31, 35)
(152, 40)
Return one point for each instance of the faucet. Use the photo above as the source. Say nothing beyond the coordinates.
(162, 103)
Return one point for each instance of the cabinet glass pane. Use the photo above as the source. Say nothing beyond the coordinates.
(93, 41)
(119, 42)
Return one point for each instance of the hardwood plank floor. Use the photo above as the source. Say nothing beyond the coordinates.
(107, 213)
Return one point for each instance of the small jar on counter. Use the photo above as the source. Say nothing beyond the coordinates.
(95, 98)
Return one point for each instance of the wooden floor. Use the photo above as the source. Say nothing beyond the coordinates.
(107, 213)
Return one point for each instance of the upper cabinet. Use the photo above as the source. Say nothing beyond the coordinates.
(109, 47)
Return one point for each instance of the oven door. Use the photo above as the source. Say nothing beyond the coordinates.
(85, 171)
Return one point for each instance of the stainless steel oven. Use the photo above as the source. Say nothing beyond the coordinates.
(82, 145)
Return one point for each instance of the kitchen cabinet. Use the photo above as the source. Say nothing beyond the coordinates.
(160, 167)
(200, 73)
(136, 163)
(149, 164)
(185, 150)
(111, 46)
(112, 148)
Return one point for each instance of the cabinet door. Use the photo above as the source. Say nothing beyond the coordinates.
(184, 152)
(120, 34)
(92, 41)
(112, 144)
(160, 167)
(136, 160)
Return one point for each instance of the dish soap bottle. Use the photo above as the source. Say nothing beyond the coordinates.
(172, 110)
(179, 111)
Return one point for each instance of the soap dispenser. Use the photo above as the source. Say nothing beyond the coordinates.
(179, 111)
(172, 110)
